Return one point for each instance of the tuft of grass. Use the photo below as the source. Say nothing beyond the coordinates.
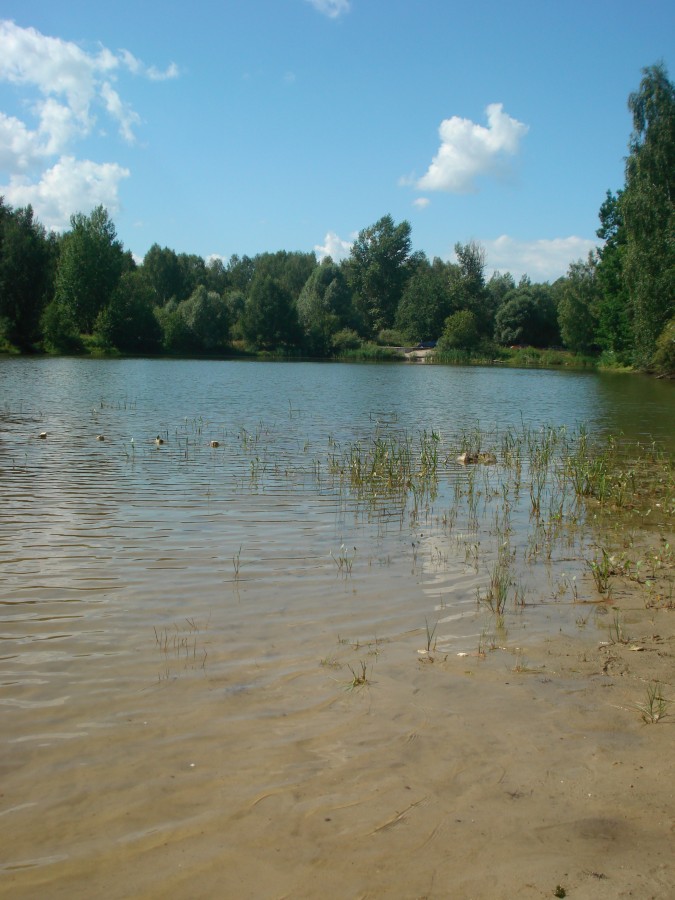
(616, 633)
(359, 676)
(497, 591)
(430, 650)
(344, 560)
(654, 708)
(330, 662)
(601, 569)
(236, 562)
(430, 636)
(180, 646)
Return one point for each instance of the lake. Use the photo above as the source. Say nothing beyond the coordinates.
(184, 626)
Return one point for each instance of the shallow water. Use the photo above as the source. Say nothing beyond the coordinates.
(179, 611)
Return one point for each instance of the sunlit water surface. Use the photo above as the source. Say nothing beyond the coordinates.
(160, 603)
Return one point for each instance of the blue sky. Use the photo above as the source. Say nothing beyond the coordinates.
(244, 126)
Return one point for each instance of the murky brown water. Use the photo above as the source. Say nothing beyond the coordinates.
(180, 623)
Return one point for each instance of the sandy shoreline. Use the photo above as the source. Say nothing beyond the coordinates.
(513, 774)
(506, 776)
(502, 777)
(262, 743)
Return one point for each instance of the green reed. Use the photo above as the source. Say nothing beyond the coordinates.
(388, 463)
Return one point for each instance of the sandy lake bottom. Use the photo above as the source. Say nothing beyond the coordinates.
(243, 671)
(507, 772)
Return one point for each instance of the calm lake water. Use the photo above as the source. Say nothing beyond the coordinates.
(159, 601)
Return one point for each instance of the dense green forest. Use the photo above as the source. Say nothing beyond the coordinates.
(81, 292)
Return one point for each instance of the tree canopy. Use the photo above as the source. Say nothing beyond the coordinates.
(90, 265)
(647, 206)
(379, 265)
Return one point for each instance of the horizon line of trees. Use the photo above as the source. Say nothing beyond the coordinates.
(618, 302)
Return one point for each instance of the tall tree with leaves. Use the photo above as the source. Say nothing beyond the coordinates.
(614, 334)
(270, 318)
(527, 316)
(648, 208)
(426, 302)
(378, 267)
(290, 269)
(193, 273)
(128, 321)
(90, 266)
(578, 307)
(468, 288)
(164, 274)
(324, 307)
(207, 317)
(26, 274)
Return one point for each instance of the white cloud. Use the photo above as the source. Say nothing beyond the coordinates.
(542, 260)
(63, 88)
(58, 125)
(469, 151)
(421, 202)
(331, 8)
(136, 67)
(53, 66)
(80, 80)
(19, 147)
(155, 74)
(121, 111)
(69, 186)
(333, 246)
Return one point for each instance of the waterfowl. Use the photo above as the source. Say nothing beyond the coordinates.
(467, 458)
(43, 435)
(471, 459)
(100, 437)
(215, 443)
(159, 440)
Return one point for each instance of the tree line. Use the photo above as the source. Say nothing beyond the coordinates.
(62, 293)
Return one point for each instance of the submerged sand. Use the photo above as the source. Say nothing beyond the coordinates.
(515, 772)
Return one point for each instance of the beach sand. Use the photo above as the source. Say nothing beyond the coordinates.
(518, 772)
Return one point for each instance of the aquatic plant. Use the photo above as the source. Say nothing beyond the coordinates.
(601, 569)
(655, 706)
(359, 675)
(344, 560)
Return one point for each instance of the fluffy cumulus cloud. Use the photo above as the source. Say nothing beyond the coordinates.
(331, 8)
(63, 89)
(469, 151)
(542, 260)
(69, 186)
(333, 246)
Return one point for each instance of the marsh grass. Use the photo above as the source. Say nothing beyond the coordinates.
(544, 501)
(617, 634)
(344, 560)
(330, 662)
(655, 706)
(497, 591)
(389, 464)
(236, 564)
(429, 651)
(181, 645)
(359, 675)
(601, 568)
(430, 636)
